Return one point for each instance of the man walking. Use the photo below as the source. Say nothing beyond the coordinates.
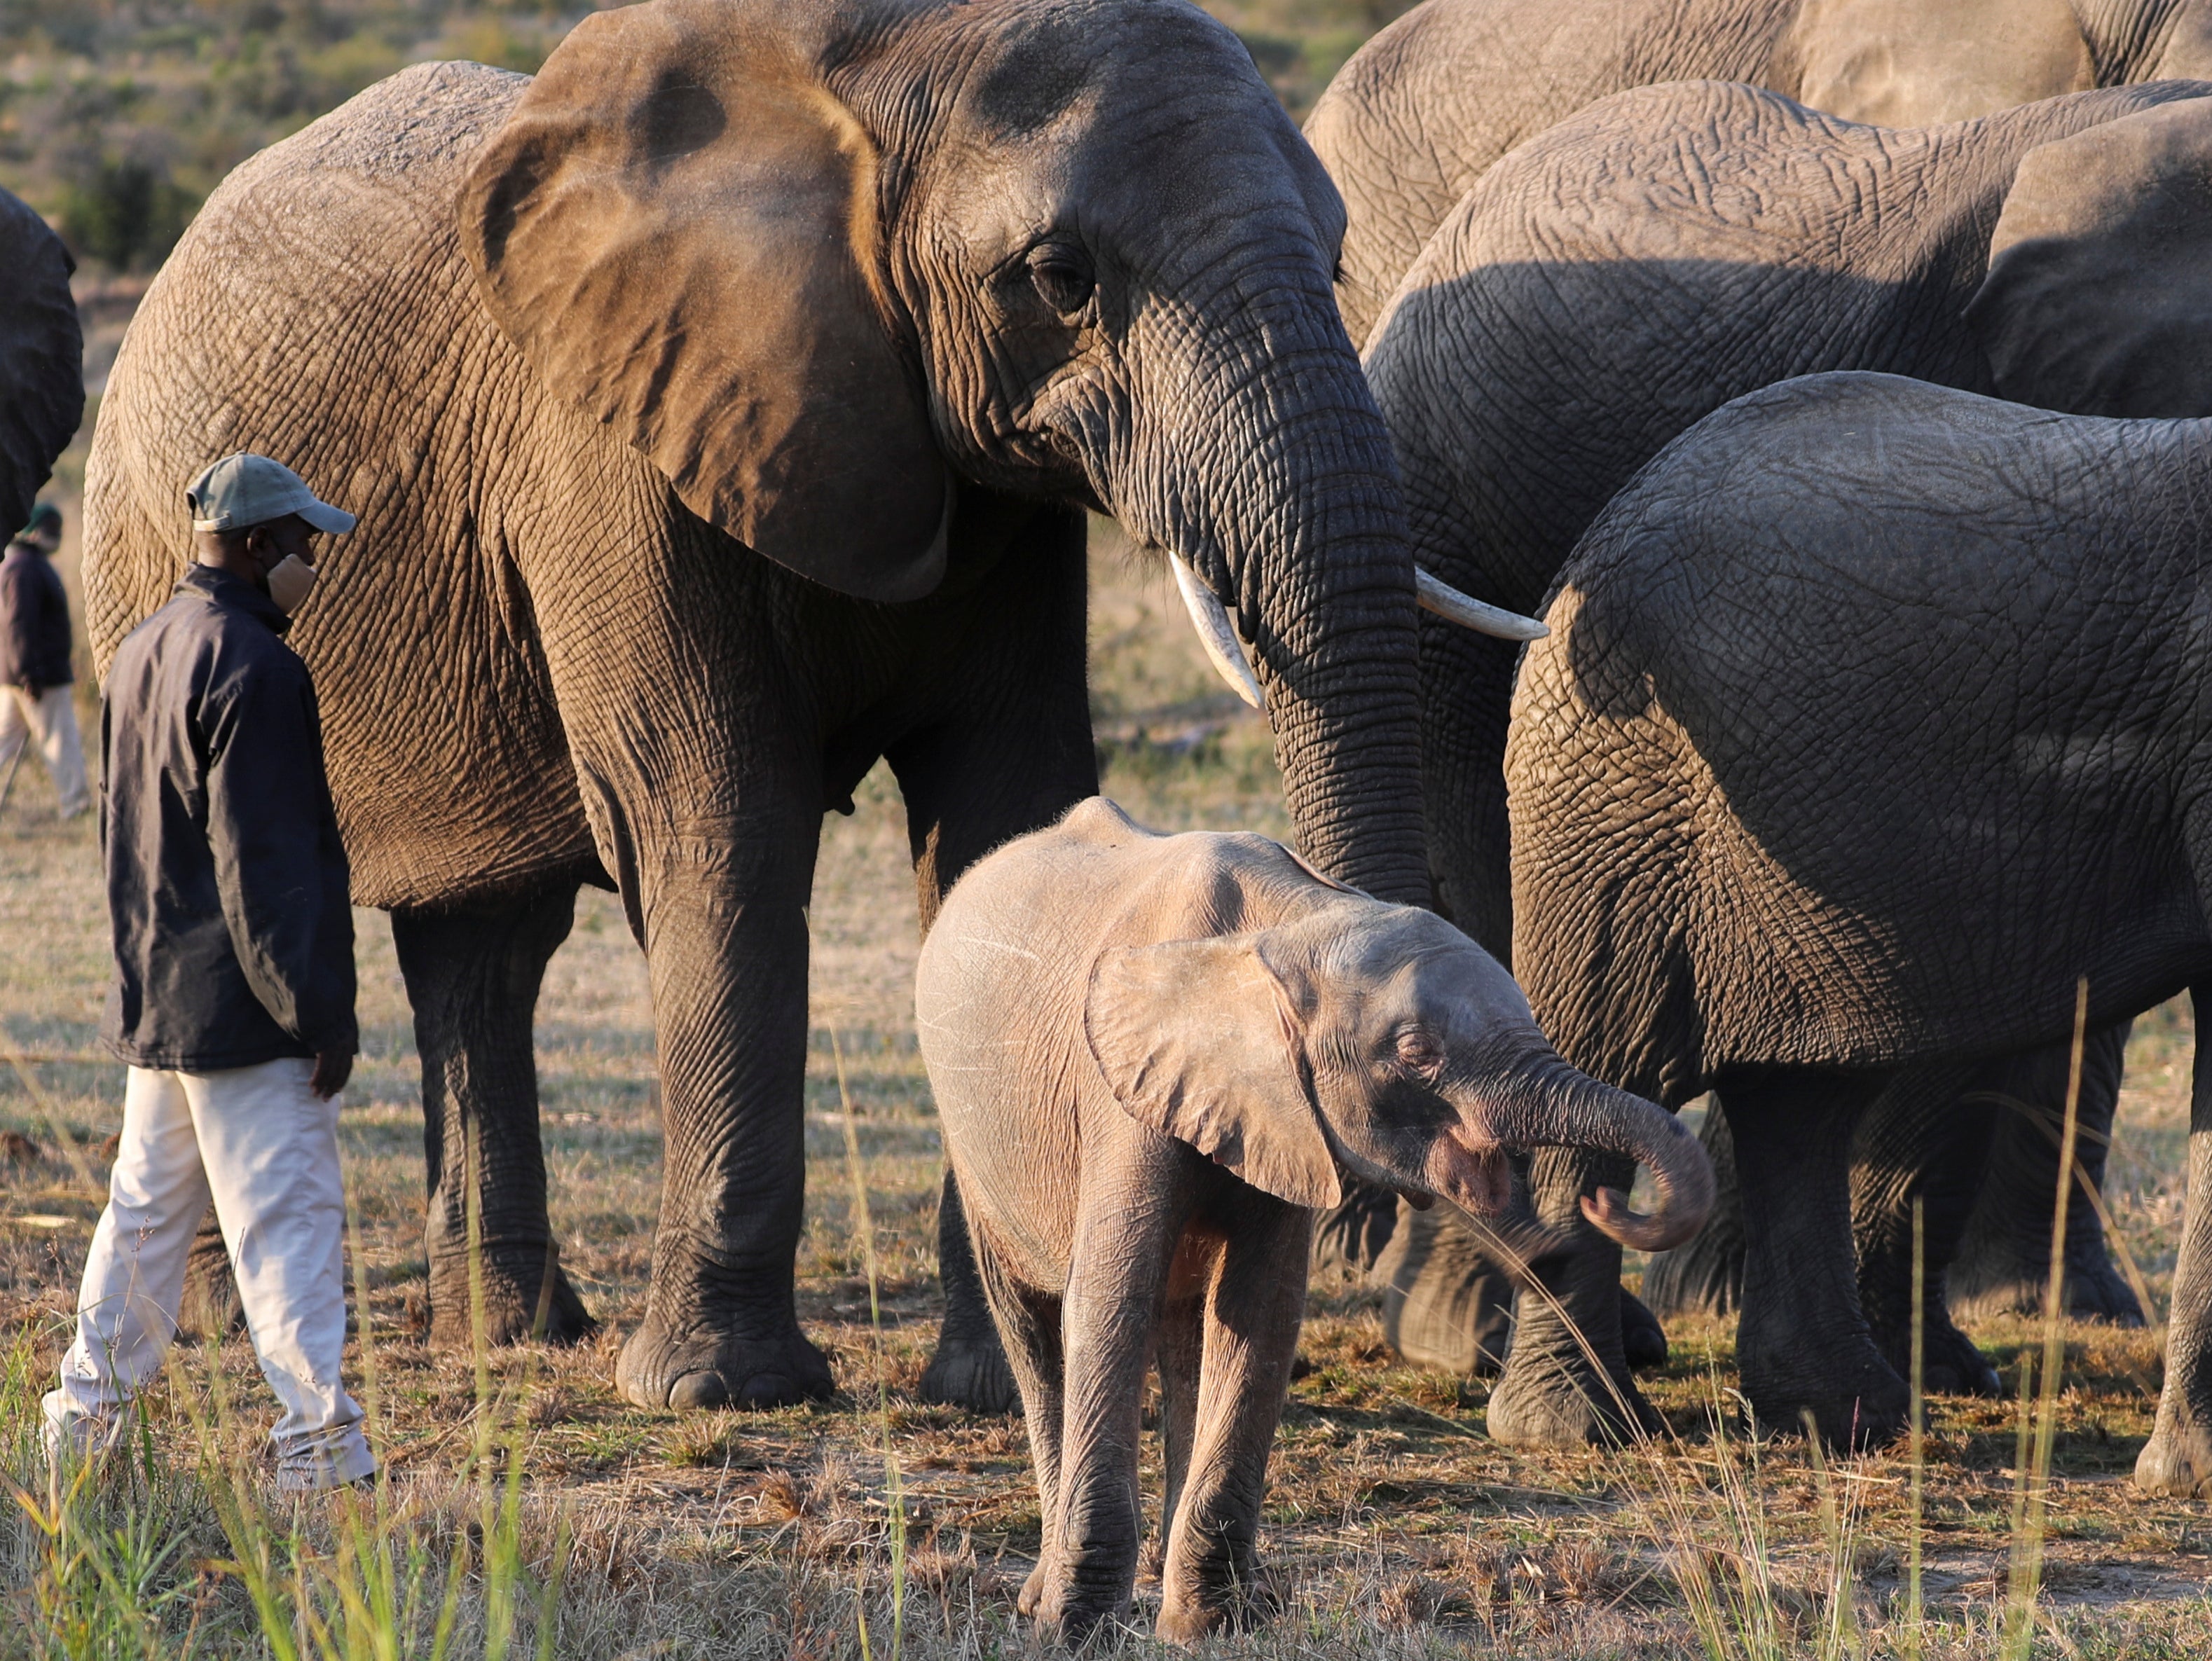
(34, 662)
(232, 1001)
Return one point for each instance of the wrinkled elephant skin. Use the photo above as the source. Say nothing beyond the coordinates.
(720, 408)
(1865, 736)
(1155, 1058)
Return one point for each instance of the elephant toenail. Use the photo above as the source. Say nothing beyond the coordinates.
(698, 1390)
(768, 1390)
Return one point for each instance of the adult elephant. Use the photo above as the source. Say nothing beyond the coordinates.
(1871, 734)
(1630, 271)
(1431, 104)
(720, 408)
(41, 358)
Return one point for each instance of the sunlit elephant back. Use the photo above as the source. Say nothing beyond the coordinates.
(1427, 106)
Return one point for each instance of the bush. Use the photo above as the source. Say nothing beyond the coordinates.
(125, 213)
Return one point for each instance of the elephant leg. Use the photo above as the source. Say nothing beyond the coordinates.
(473, 975)
(1254, 1301)
(1356, 1234)
(721, 909)
(1445, 1304)
(1028, 1323)
(1705, 1275)
(969, 1368)
(1011, 754)
(1926, 1138)
(1802, 1345)
(211, 1308)
(1179, 1351)
(2004, 1260)
(1128, 1228)
(1566, 1382)
(2177, 1461)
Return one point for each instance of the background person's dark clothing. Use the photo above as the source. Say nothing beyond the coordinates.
(227, 884)
(34, 622)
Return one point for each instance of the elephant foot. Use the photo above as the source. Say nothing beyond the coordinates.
(2093, 1291)
(1189, 1621)
(1445, 1304)
(1569, 1408)
(513, 1279)
(1643, 1340)
(701, 1368)
(211, 1308)
(1031, 1596)
(971, 1372)
(1854, 1404)
(2176, 1464)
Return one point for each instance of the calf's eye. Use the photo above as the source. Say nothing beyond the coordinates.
(1419, 1051)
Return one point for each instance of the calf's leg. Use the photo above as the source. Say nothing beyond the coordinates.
(1253, 1305)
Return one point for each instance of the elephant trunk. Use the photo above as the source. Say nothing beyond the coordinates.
(1274, 481)
(1545, 1103)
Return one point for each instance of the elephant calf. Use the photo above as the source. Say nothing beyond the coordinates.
(1154, 1056)
(1872, 722)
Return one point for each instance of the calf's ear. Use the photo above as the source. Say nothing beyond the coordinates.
(2098, 296)
(679, 225)
(1195, 1039)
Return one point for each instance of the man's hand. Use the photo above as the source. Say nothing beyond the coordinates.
(332, 1069)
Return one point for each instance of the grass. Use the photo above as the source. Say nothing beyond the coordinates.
(526, 1497)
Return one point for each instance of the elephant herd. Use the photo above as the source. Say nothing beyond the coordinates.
(721, 407)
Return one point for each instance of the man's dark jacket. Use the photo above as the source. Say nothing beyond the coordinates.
(226, 885)
(34, 624)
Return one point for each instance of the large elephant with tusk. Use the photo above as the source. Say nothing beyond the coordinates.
(720, 408)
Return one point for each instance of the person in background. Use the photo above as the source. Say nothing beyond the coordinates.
(34, 662)
(232, 1001)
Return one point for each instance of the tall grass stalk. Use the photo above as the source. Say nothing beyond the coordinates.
(1839, 1525)
(2031, 1474)
(894, 1490)
(1915, 1609)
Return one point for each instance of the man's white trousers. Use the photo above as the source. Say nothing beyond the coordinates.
(51, 719)
(258, 1142)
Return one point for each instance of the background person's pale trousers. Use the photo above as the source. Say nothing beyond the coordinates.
(258, 1141)
(50, 717)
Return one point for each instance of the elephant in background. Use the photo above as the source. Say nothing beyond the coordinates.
(41, 359)
(1422, 111)
(1870, 730)
(1155, 1057)
(1630, 271)
(720, 408)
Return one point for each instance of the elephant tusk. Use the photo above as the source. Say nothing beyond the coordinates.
(1440, 596)
(1216, 632)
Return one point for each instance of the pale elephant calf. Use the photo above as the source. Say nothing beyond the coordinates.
(1154, 1056)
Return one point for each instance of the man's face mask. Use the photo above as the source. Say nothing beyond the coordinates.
(290, 583)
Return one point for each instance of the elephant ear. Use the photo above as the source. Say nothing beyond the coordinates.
(1194, 1038)
(2098, 296)
(679, 226)
(41, 345)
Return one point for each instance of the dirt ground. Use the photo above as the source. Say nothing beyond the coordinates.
(1393, 1525)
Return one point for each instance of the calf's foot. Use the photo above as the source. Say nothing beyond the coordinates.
(735, 1363)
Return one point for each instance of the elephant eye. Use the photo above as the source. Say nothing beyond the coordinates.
(1418, 1052)
(1062, 277)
